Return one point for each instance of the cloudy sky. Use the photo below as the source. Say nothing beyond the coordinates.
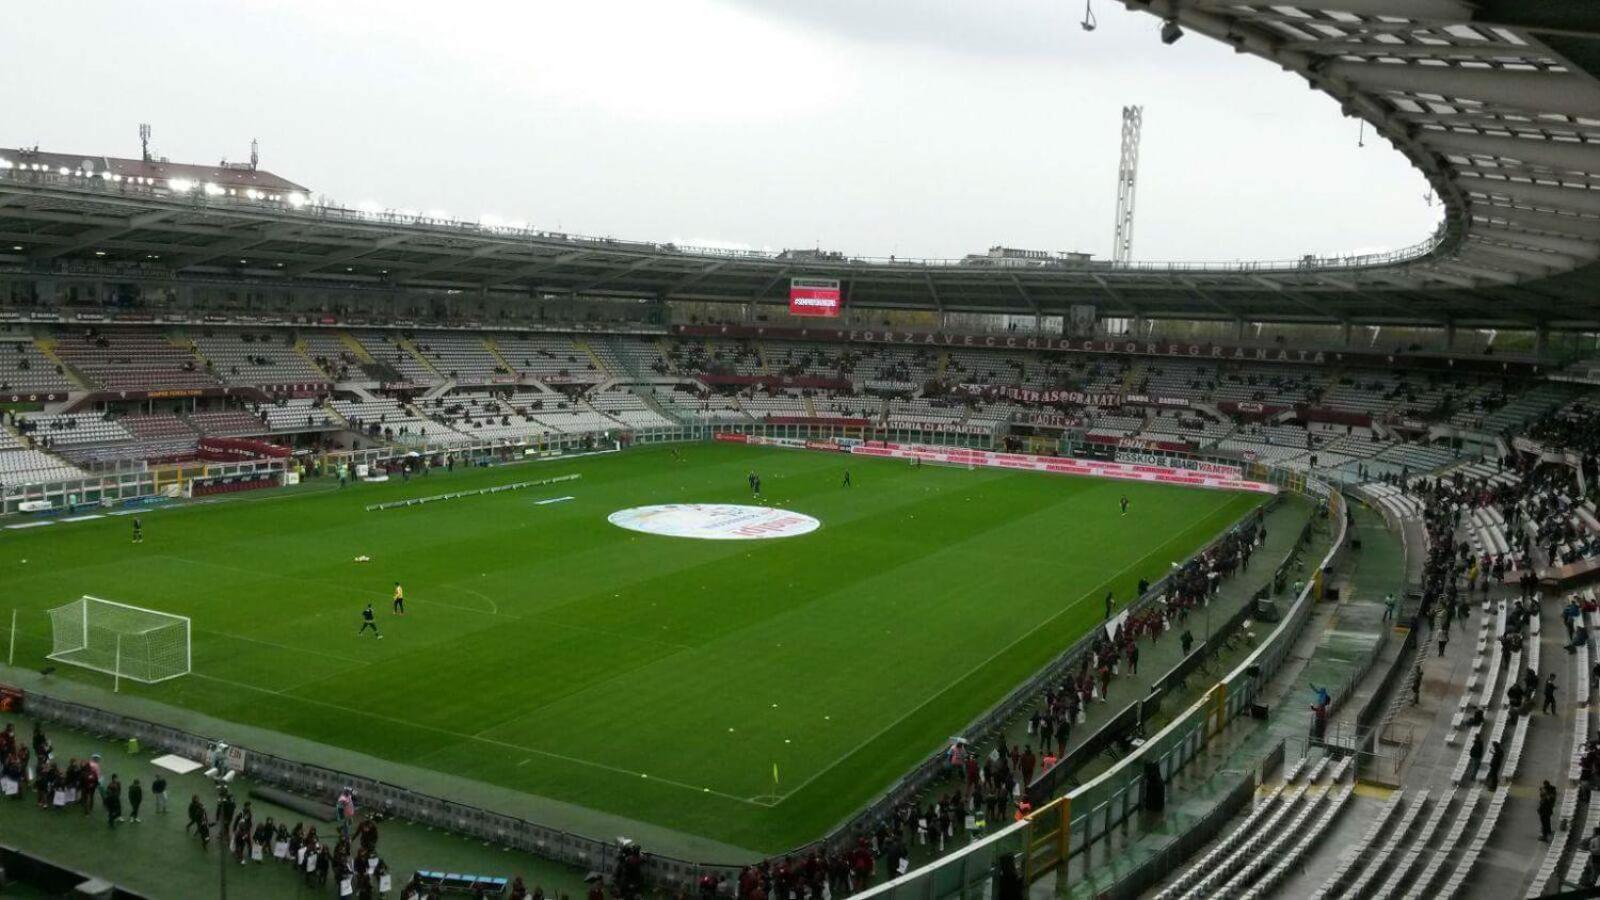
(875, 127)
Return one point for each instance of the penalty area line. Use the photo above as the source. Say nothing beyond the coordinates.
(483, 740)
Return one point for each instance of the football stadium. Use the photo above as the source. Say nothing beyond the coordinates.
(355, 551)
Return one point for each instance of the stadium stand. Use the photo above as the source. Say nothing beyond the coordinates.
(24, 369)
(554, 359)
(259, 356)
(132, 359)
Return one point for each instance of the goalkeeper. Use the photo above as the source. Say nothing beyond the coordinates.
(369, 620)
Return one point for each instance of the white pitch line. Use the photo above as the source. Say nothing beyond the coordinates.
(974, 670)
(493, 606)
(249, 640)
(482, 740)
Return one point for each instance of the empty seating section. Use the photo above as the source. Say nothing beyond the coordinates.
(637, 357)
(19, 467)
(73, 429)
(388, 349)
(552, 358)
(711, 407)
(24, 369)
(628, 408)
(297, 414)
(763, 406)
(255, 357)
(1257, 855)
(463, 357)
(921, 410)
(390, 419)
(226, 422)
(132, 359)
(329, 352)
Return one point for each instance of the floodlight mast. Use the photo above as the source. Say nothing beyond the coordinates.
(1127, 182)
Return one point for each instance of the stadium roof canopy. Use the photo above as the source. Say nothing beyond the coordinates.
(1497, 102)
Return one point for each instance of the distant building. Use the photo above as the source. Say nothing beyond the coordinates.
(234, 179)
(1005, 257)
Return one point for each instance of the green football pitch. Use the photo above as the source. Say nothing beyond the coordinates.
(663, 679)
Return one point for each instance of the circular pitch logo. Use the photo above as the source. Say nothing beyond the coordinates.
(715, 521)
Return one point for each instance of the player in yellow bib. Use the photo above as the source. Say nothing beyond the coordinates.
(399, 599)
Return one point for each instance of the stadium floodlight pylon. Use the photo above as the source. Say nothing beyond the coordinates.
(123, 641)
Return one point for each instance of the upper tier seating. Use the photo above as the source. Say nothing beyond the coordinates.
(132, 359)
(25, 370)
(259, 356)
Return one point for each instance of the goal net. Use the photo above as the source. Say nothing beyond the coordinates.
(126, 641)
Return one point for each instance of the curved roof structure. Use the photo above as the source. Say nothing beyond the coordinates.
(1497, 102)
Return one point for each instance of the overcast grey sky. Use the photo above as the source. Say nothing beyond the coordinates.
(874, 127)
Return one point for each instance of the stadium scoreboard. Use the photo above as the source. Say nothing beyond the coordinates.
(814, 297)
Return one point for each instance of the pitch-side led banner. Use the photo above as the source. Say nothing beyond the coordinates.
(814, 297)
(1064, 466)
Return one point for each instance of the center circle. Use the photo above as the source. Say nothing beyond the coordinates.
(714, 521)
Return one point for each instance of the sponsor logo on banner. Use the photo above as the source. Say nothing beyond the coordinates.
(715, 521)
(1145, 458)
(1223, 480)
(732, 437)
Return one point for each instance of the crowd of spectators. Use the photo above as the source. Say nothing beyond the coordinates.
(344, 861)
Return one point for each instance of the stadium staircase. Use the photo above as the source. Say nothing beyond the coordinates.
(943, 365)
(188, 346)
(1254, 858)
(410, 347)
(440, 389)
(1135, 376)
(1564, 859)
(493, 346)
(811, 407)
(300, 349)
(599, 364)
(355, 348)
(659, 408)
(1428, 838)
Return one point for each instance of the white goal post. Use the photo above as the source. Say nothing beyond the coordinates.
(123, 641)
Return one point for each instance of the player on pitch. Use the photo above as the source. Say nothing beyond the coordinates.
(369, 620)
(399, 599)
